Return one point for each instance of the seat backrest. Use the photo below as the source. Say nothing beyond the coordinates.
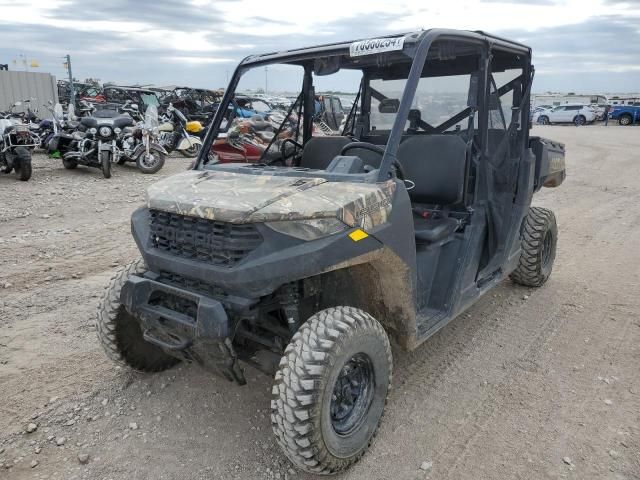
(319, 151)
(437, 165)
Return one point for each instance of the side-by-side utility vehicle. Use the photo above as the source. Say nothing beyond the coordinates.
(387, 231)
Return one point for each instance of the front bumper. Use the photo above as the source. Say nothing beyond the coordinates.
(278, 260)
(185, 324)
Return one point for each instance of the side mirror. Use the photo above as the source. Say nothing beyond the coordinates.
(389, 105)
(326, 66)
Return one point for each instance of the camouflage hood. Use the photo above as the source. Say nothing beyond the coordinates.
(244, 198)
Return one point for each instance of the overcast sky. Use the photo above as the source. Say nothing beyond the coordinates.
(579, 45)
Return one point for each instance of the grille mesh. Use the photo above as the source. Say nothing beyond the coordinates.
(218, 243)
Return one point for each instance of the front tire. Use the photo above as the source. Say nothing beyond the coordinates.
(151, 164)
(105, 163)
(69, 163)
(192, 151)
(22, 163)
(543, 120)
(539, 241)
(120, 334)
(331, 389)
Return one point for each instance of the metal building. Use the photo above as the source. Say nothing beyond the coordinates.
(19, 86)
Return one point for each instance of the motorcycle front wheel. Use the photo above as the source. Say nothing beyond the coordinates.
(192, 151)
(152, 162)
(22, 163)
(105, 163)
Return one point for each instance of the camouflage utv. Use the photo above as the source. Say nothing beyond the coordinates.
(387, 231)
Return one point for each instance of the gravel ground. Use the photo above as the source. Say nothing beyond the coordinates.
(528, 384)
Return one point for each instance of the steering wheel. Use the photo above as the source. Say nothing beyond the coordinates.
(376, 149)
(289, 140)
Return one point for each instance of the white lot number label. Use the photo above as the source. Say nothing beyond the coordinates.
(375, 45)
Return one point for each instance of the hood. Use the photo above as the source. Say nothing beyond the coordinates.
(247, 198)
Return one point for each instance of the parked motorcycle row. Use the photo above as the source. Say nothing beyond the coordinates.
(96, 137)
(101, 135)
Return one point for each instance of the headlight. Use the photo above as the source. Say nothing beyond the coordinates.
(117, 130)
(309, 229)
(92, 131)
(105, 131)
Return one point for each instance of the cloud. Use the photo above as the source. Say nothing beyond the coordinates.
(598, 53)
(199, 42)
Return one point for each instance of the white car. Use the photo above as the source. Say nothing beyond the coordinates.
(578, 114)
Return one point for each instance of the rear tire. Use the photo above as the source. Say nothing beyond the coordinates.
(625, 120)
(120, 334)
(105, 163)
(331, 389)
(22, 163)
(539, 239)
(580, 120)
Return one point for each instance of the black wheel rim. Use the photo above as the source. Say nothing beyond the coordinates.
(352, 394)
(547, 247)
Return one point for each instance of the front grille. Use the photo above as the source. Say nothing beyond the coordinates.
(218, 243)
(192, 284)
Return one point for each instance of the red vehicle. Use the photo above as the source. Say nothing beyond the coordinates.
(247, 139)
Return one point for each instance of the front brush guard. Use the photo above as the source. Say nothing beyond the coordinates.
(204, 338)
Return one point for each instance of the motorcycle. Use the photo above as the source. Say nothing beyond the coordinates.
(138, 144)
(247, 139)
(44, 130)
(64, 134)
(173, 133)
(27, 115)
(16, 143)
(96, 144)
(132, 110)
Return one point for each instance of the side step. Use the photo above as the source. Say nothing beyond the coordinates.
(429, 321)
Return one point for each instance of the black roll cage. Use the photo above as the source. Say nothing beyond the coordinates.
(417, 47)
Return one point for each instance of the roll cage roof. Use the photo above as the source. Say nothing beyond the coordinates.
(437, 46)
(412, 39)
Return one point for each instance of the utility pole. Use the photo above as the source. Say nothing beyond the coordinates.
(72, 90)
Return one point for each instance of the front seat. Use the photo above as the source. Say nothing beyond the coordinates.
(320, 151)
(437, 164)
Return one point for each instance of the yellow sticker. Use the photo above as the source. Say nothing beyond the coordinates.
(358, 235)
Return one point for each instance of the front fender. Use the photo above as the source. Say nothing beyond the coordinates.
(106, 146)
(158, 147)
(139, 150)
(188, 142)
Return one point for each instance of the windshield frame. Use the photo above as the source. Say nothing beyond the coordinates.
(416, 48)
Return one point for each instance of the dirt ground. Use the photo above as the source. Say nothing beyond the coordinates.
(529, 384)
